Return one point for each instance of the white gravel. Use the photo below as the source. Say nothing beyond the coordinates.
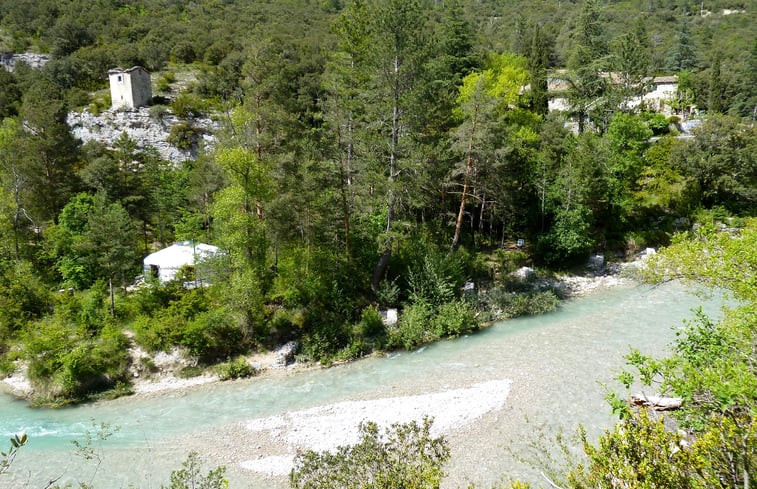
(327, 427)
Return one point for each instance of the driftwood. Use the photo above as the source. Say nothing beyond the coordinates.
(657, 403)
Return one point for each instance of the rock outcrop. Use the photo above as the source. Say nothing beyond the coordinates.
(34, 60)
(144, 128)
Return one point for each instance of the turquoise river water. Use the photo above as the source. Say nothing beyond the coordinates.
(559, 366)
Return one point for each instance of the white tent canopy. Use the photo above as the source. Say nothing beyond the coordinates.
(166, 263)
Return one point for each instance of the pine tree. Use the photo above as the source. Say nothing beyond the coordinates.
(684, 56)
(715, 101)
(538, 59)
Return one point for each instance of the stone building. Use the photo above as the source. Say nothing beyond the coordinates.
(129, 89)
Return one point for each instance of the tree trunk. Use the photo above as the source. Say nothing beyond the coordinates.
(383, 263)
(112, 295)
(466, 177)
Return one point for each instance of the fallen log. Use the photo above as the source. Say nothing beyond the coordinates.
(657, 403)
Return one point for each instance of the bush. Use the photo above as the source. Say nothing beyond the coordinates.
(156, 333)
(164, 81)
(65, 362)
(100, 104)
(211, 335)
(524, 304)
(356, 349)
(235, 369)
(455, 319)
(187, 105)
(326, 337)
(511, 260)
(404, 455)
(183, 136)
(414, 327)
(569, 238)
(658, 123)
(189, 371)
(371, 325)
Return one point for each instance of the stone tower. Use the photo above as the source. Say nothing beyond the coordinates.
(130, 88)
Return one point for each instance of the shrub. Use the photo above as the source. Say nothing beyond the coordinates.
(511, 260)
(156, 333)
(235, 369)
(164, 81)
(431, 282)
(187, 105)
(66, 362)
(404, 455)
(414, 327)
(371, 325)
(158, 112)
(212, 334)
(327, 335)
(356, 349)
(455, 319)
(183, 136)
(99, 104)
(189, 371)
(569, 238)
(525, 303)
(658, 123)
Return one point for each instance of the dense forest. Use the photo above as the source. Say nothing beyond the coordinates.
(372, 154)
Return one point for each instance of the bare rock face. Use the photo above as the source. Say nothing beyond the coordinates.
(34, 60)
(142, 128)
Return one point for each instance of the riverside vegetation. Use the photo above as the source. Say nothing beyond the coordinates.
(372, 154)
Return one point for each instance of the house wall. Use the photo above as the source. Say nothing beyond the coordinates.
(140, 88)
(130, 89)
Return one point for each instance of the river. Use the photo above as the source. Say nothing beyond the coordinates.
(556, 369)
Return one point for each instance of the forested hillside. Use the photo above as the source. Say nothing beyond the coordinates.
(373, 153)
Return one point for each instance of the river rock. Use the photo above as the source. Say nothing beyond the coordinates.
(596, 263)
(285, 355)
(647, 253)
(389, 316)
(524, 273)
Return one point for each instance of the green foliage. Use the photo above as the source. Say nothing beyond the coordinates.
(712, 365)
(237, 368)
(414, 328)
(455, 319)
(187, 105)
(642, 453)
(511, 260)
(190, 475)
(23, 298)
(371, 325)
(183, 135)
(431, 282)
(516, 304)
(65, 362)
(405, 455)
(212, 334)
(568, 240)
(17, 441)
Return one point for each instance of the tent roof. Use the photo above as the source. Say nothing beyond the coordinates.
(180, 254)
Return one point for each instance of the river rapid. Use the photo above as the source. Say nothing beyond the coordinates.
(493, 394)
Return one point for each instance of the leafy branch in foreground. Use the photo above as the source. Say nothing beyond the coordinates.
(17, 441)
(190, 477)
(405, 455)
